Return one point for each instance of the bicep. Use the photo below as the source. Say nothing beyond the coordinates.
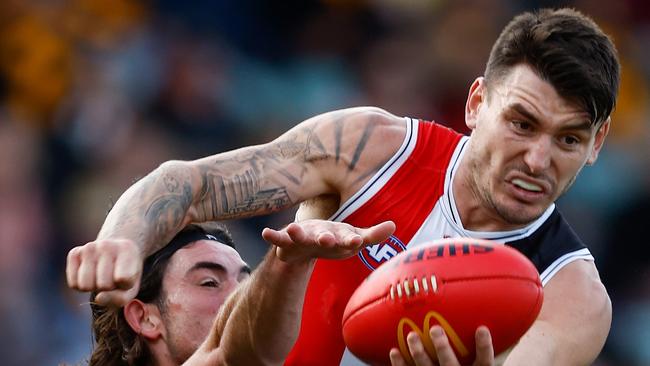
(573, 323)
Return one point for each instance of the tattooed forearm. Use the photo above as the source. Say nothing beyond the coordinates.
(166, 213)
(241, 196)
(332, 154)
(152, 210)
(171, 183)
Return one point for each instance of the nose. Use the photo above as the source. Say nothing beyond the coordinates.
(538, 155)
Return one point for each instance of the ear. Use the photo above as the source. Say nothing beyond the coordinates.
(144, 319)
(476, 97)
(599, 141)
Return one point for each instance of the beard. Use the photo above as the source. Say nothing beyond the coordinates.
(511, 214)
(180, 348)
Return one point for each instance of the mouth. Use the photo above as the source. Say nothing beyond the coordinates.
(528, 186)
(529, 190)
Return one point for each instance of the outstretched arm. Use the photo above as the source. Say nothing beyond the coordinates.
(259, 324)
(331, 154)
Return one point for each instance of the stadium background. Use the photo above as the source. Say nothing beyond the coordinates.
(96, 93)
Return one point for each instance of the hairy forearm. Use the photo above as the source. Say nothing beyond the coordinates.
(234, 184)
(265, 320)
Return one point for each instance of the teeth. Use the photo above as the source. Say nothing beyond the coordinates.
(527, 186)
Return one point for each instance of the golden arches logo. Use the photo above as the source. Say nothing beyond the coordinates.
(424, 335)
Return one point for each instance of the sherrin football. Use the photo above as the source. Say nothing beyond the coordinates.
(459, 284)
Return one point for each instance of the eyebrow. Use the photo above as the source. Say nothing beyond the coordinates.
(519, 108)
(216, 267)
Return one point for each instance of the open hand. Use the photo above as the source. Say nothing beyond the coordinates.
(311, 239)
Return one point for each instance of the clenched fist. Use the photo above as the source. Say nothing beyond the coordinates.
(110, 267)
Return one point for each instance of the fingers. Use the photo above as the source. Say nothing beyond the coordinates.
(396, 358)
(419, 354)
(446, 356)
(87, 269)
(275, 237)
(104, 273)
(128, 267)
(312, 233)
(72, 267)
(484, 349)
(324, 239)
(327, 239)
(112, 267)
(378, 233)
(298, 234)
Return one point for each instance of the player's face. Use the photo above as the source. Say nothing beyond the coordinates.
(528, 145)
(197, 281)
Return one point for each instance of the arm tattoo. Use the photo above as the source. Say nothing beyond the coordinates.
(362, 144)
(313, 141)
(241, 195)
(166, 212)
(259, 180)
(338, 133)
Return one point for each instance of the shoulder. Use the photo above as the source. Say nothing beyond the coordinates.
(580, 278)
(552, 245)
(349, 145)
(360, 119)
(349, 135)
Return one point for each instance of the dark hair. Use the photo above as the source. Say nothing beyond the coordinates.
(567, 49)
(115, 341)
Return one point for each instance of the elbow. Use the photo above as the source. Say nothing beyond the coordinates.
(181, 186)
(179, 177)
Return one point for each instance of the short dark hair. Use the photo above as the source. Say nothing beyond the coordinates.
(567, 49)
(115, 341)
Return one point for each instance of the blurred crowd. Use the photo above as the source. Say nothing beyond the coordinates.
(96, 93)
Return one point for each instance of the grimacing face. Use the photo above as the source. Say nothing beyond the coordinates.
(197, 281)
(527, 146)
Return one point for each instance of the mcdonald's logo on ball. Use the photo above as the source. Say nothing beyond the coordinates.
(459, 284)
(407, 325)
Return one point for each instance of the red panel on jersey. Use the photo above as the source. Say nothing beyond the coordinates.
(407, 199)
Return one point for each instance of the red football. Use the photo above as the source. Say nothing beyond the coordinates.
(460, 284)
